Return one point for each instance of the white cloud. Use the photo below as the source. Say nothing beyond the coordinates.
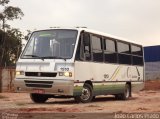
(137, 20)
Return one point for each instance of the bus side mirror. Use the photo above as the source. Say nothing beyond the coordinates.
(27, 36)
(86, 39)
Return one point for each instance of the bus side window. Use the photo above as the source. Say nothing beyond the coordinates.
(137, 55)
(80, 52)
(110, 54)
(86, 46)
(97, 48)
(83, 50)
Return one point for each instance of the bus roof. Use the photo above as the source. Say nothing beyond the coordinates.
(95, 32)
(109, 35)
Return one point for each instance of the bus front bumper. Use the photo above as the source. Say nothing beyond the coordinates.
(64, 87)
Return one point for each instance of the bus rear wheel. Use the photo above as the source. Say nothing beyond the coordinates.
(126, 94)
(86, 95)
(38, 98)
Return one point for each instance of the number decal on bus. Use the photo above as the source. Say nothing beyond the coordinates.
(64, 69)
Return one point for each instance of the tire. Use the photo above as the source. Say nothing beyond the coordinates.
(126, 94)
(38, 98)
(87, 94)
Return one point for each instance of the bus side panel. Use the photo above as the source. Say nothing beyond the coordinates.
(108, 78)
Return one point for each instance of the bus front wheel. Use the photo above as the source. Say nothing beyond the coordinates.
(86, 95)
(38, 98)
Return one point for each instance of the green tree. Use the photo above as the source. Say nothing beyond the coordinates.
(3, 2)
(9, 13)
(12, 46)
(10, 39)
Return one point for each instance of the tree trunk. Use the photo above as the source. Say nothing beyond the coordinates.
(0, 80)
(3, 43)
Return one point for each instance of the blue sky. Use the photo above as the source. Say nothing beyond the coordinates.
(136, 20)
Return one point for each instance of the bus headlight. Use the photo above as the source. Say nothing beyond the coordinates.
(66, 74)
(19, 73)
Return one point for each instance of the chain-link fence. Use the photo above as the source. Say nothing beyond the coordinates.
(152, 70)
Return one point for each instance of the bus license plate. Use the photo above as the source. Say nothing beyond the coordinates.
(39, 91)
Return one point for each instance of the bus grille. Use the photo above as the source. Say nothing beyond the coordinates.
(39, 84)
(40, 74)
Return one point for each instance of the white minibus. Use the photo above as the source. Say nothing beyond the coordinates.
(79, 63)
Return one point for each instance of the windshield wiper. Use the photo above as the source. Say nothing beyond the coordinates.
(47, 57)
(53, 57)
(35, 56)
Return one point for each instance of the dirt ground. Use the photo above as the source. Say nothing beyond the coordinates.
(147, 100)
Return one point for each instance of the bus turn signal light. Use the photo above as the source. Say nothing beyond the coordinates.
(19, 73)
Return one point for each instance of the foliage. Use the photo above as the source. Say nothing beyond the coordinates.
(3, 2)
(9, 13)
(10, 38)
(12, 47)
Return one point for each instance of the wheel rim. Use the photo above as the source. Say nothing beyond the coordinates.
(85, 94)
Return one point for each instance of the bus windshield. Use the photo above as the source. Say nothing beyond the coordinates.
(51, 44)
